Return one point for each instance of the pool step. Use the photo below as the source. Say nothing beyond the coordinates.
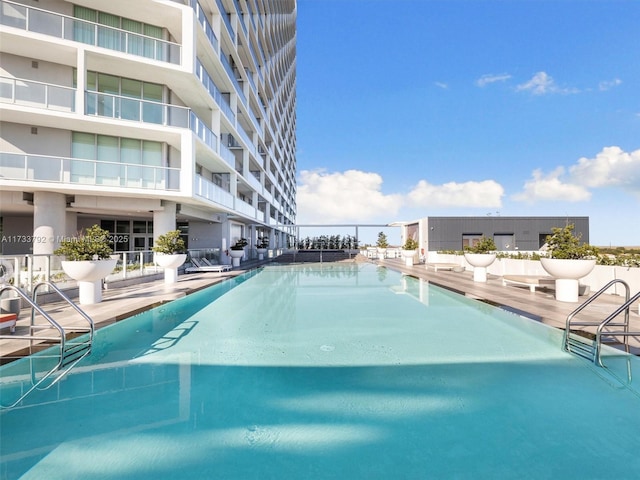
(611, 328)
(67, 346)
(581, 346)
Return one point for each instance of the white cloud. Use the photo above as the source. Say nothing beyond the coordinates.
(542, 84)
(343, 197)
(549, 187)
(609, 84)
(487, 193)
(356, 196)
(442, 85)
(611, 167)
(491, 78)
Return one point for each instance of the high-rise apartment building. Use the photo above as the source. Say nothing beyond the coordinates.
(146, 115)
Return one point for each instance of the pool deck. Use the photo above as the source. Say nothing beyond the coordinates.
(120, 303)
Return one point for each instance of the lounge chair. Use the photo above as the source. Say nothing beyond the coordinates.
(445, 266)
(531, 281)
(203, 265)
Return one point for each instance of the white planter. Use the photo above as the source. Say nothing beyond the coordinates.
(170, 263)
(89, 275)
(382, 252)
(261, 252)
(567, 273)
(236, 255)
(480, 262)
(408, 256)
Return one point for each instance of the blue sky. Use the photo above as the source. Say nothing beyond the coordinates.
(415, 108)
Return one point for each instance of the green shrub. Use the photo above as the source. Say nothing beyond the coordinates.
(93, 244)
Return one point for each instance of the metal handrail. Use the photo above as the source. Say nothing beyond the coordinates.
(625, 307)
(592, 299)
(61, 339)
(607, 322)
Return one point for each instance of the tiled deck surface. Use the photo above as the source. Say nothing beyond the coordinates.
(123, 302)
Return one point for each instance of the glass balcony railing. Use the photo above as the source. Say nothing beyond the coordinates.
(126, 108)
(210, 191)
(42, 168)
(229, 69)
(204, 22)
(203, 132)
(245, 208)
(37, 94)
(214, 92)
(227, 155)
(225, 19)
(69, 28)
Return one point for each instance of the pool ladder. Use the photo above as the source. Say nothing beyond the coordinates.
(607, 330)
(73, 343)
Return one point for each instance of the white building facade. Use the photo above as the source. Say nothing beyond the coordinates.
(145, 116)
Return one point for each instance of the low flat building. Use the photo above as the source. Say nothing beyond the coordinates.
(509, 233)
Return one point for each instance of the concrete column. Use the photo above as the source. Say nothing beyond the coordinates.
(49, 227)
(49, 220)
(164, 220)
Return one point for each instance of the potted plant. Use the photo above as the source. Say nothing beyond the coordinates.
(262, 246)
(382, 245)
(236, 251)
(88, 261)
(569, 260)
(409, 251)
(480, 256)
(170, 253)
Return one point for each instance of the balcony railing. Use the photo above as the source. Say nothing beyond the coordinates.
(227, 155)
(127, 108)
(209, 190)
(229, 69)
(203, 132)
(213, 90)
(245, 208)
(42, 168)
(69, 28)
(204, 22)
(225, 19)
(37, 94)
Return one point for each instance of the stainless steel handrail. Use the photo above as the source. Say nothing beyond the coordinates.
(35, 307)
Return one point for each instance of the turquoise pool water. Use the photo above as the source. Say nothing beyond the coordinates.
(344, 371)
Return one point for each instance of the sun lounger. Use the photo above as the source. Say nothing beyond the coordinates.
(444, 266)
(199, 265)
(8, 320)
(531, 281)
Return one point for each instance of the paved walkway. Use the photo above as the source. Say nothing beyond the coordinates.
(120, 303)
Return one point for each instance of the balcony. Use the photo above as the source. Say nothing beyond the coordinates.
(37, 94)
(91, 33)
(127, 108)
(204, 22)
(212, 192)
(78, 171)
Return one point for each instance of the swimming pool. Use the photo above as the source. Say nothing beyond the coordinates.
(335, 371)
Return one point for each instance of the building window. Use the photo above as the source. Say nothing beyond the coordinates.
(109, 33)
(470, 239)
(109, 152)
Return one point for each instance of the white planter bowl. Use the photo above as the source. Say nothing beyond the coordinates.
(480, 262)
(170, 262)
(408, 256)
(261, 252)
(88, 274)
(236, 255)
(567, 273)
(165, 260)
